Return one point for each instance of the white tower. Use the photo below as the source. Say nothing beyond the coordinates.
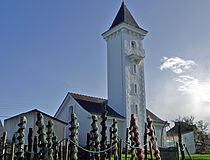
(125, 61)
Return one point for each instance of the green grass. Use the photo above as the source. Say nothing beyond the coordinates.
(198, 157)
(194, 157)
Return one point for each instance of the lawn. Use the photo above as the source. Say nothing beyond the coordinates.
(194, 157)
(199, 157)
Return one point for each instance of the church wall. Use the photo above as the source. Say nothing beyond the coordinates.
(189, 140)
(160, 131)
(121, 129)
(132, 79)
(83, 117)
(85, 120)
(115, 73)
(122, 79)
(11, 125)
(62, 115)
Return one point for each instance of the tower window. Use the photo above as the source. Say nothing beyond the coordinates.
(136, 109)
(133, 44)
(135, 88)
(134, 68)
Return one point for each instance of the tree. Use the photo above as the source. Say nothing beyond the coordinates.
(200, 131)
(190, 120)
(201, 136)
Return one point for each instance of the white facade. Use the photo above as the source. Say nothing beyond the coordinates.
(84, 119)
(125, 61)
(189, 140)
(11, 125)
(160, 131)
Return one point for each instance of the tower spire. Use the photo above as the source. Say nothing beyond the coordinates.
(125, 16)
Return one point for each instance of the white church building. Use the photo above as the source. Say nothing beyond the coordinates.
(126, 84)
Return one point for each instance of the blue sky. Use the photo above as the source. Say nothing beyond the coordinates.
(50, 47)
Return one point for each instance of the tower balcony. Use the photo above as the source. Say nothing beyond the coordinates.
(136, 56)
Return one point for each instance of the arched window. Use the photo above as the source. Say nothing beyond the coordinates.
(133, 44)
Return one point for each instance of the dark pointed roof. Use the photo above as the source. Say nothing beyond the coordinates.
(125, 16)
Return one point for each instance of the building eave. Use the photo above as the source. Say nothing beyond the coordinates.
(63, 102)
(36, 110)
(125, 26)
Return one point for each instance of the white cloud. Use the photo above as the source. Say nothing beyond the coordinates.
(176, 64)
(195, 87)
(187, 83)
(168, 102)
(186, 92)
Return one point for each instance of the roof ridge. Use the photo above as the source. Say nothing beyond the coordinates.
(35, 110)
(83, 95)
(154, 117)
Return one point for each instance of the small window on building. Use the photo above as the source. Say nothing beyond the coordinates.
(71, 109)
(134, 68)
(133, 44)
(135, 88)
(69, 112)
(136, 109)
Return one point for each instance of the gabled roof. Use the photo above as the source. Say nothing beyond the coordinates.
(185, 128)
(87, 98)
(125, 16)
(154, 117)
(35, 110)
(94, 105)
